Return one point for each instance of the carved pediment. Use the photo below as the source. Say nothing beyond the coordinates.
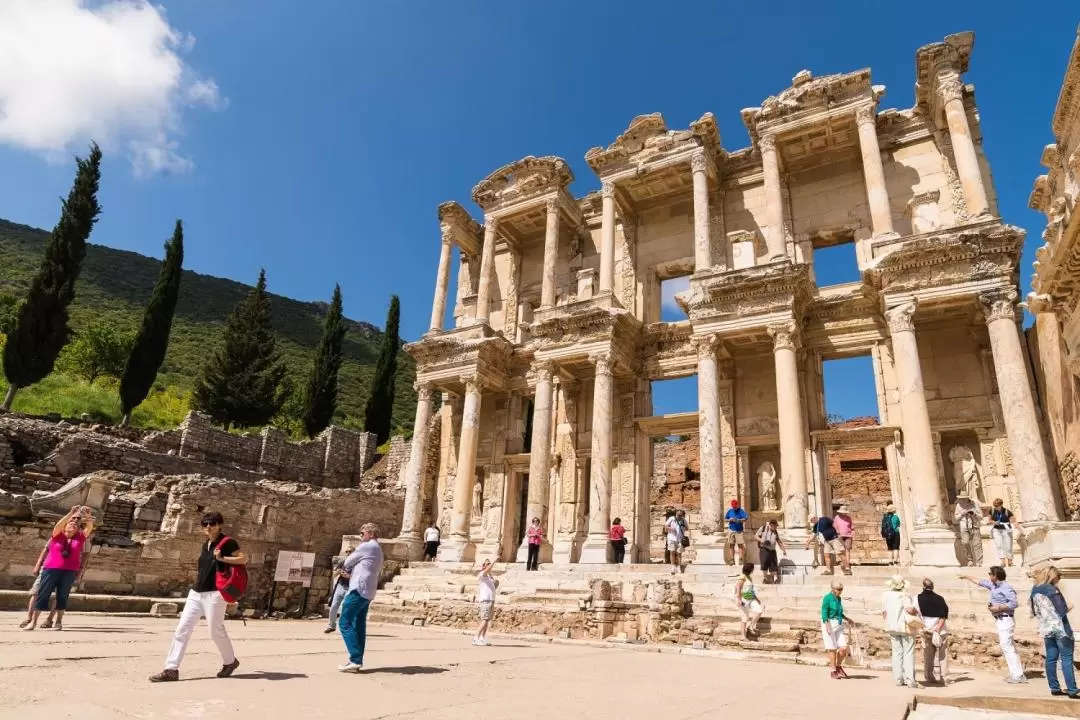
(648, 139)
(781, 286)
(523, 179)
(810, 94)
(954, 53)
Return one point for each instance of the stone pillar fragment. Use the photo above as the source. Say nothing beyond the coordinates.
(1038, 501)
(951, 89)
(703, 259)
(540, 461)
(607, 239)
(709, 547)
(551, 251)
(458, 547)
(411, 532)
(487, 270)
(595, 549)
(442, 287)
(877, 195)
(774, 199)
(792, 428)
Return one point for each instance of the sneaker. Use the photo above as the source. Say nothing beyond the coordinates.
(1016, 680)
(1074, 696)
(227, 670)
(482, 642)
(350, 667)
(899, 683)
(329, 630)
(914, 685)
(476, 641)
(165, 676)
(1057, 693)
(57, 626)
(847, 572)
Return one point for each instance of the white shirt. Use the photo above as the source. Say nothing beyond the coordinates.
(674, 529)
(895, 604)
(485, 591)
(431, 534)
(363, 567)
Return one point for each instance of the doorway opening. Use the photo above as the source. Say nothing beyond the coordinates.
(523, 508)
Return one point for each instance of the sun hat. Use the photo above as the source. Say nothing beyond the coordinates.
(896, 582)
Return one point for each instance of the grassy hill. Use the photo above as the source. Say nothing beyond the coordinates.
(116, 284)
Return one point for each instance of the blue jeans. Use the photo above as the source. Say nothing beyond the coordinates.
(353, 625)
(1060, 648)
(58, 580)
(335, 605)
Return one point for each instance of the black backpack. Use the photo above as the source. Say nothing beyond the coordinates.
(886, 526)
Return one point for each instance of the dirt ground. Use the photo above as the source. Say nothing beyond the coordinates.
(97, 668)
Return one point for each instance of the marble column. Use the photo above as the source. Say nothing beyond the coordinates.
(551, 251)
(774, 199)
(703, 259)
(607, 239)
(967, 160)
(792, 428)
(709, 540)
(932, 540)
(540, 460)
(442, 287)
(487, 270)
(411, 532)
(458, 547)
(595, 549)
(1038, 500)
(877, 195)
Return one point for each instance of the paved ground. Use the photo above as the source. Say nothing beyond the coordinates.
(97, 668)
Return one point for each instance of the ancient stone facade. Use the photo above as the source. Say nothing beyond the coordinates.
(544, 378)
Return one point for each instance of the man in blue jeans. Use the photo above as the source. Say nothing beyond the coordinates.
(363, 568)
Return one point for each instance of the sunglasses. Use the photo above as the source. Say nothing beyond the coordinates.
(209, 524)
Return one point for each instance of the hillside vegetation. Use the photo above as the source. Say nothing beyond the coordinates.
(115, 285)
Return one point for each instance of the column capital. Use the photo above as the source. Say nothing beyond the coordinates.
(543, 369)
(767, 143)
(950, 87)
(447, 234)
(901, 318)
(472, 383)
(999, 304)
(423, 390)
(785, 335)
(706, 345)
(604, 361)
(608, 189)
(491, 224)
(1039, 303)
(866, 114)
(551, 205)
(698, 161)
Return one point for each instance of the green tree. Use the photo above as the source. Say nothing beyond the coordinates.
(379, 411)
(98, 350)
(9, 312)
(241, 383)
(148, 350)
(320, 398)
(41, 328)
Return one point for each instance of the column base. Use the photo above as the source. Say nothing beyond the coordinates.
(566, 551)
(456, 549)
(595, 550)
(934, 546)
(1057, 544)
(409, 549)
(487, 550)
(710, 550)
(523, 551)
(797, 553)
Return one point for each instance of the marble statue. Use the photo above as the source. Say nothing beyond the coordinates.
(766, 475)
(966, 472)
(478, 499)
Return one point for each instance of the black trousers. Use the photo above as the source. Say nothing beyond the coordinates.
(533, 561)
(618, 551)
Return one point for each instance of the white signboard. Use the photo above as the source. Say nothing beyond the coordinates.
(294, 567)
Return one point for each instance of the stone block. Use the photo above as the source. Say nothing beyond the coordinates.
(164, 609)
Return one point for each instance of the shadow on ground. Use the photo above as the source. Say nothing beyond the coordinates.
(406, 670)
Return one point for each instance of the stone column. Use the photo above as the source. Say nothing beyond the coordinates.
(877, 195)
(709, 541)
(932, 540)
(487, 270)
(442, 286)
(551, 251)
(774, 199)
(458, 548)
(411, 532)
(1038, 500)
(703, 259)
(607, 239)
(540, 460)
(967, 161)
(595, 549)
(792, 428)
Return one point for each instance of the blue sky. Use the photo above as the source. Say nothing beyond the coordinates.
(317, 139)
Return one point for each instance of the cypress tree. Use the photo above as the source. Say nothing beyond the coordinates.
(320, 399)
(380, 405)
(241, 382)
(41, 328)
(152, 342)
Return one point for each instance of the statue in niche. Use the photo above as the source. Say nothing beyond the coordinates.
(478, 499)
(966, 472)
(766, 477)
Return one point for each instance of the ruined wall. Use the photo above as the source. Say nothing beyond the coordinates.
(866, 490)
(1059, 396)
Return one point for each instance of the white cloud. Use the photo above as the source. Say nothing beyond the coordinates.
(72, 71)
(668, 289)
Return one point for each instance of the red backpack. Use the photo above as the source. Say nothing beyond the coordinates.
(233, 580)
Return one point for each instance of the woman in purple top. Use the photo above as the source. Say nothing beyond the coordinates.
(62, 562)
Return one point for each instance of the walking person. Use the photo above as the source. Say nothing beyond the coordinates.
(736, 518)
(1051, 611)
(535, 536)
(1002, 606)
(845, 531)
(890, 533)
(337, 593)
(432, 538)
(485, 600)
(935, 634)
(62, 563)
(901, 618)
(363, 567)
(1002, 525)
(830, 541)
(676, 539)
(669, 512)
(617, 536)
(834, 629)
(204, 600)
(38, 573)
(968, 516)
(747, 600)
(768, 539)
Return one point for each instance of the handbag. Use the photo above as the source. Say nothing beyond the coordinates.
(685, 542)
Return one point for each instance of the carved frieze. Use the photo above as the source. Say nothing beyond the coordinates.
(521, 180)
(771, 288)
(648, 140)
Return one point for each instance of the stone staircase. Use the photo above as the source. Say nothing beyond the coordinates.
(645, 603)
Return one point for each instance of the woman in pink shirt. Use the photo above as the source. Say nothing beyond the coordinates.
(62, 562)
(535, 535)
(617, 536)
(845, 528)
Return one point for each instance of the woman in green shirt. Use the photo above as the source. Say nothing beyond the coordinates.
(833, 630)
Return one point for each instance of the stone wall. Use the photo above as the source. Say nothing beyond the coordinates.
(866, 490)
(1057, 388)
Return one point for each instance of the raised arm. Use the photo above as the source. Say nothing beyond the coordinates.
(58, 528)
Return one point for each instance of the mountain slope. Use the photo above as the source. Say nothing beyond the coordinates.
(116, 284)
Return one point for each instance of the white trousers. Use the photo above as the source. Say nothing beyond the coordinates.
(210, 605)
(1003, 541)
(1006, 626)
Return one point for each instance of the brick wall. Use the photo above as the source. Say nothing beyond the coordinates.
(866, 491)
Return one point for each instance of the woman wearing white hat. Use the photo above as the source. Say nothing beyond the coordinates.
(900, 615)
